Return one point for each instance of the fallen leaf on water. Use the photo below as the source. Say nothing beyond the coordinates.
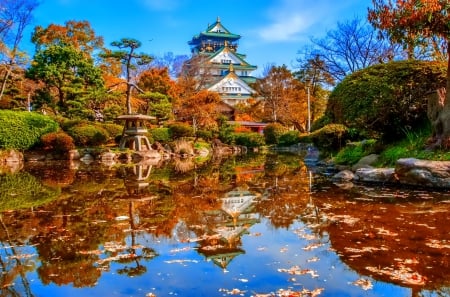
(312, 246)
(233, 291)
(365, 284)
(122, 218)
(438, 244)
(313, 259)
(403, 274)
(296, 270)
(302, 293)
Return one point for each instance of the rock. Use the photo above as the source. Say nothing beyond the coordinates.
(343, 176)
(107, 156)
(411, 171)
(139, 156)
(12, 156)
(74, 155)
(376, 175)
(366, 162)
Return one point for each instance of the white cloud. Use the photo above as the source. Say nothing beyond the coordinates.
(284, 29)
(293, 20)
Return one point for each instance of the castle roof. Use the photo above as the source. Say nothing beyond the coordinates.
(216, 30)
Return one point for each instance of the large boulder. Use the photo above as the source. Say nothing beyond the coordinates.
(376, 175)
(411, 171)
(366, 162)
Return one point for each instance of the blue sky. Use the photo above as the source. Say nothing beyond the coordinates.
(272, 31)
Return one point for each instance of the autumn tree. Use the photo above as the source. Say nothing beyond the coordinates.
(285, 99)
(15, 16)
(159, 92)
(78, 34)
(200, 108)
(130, 60)
(403, 20)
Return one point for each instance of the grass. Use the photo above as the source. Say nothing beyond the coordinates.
(411, 146)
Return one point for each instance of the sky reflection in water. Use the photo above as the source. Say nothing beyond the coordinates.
(247, 226)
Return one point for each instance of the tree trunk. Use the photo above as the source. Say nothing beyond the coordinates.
(439, 113)
(4, 81)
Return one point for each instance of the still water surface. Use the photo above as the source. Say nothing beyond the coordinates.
(258, 225)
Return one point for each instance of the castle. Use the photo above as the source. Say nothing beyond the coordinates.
(229, 72)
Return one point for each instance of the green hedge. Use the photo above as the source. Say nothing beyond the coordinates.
(328, 138)
(249, 139)
(273, 132)
(22, 130)
(381, 100)
(179, 130)
(88, 135)
(160, 134)
(289, 138)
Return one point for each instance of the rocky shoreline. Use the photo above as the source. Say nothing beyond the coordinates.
(407, 172)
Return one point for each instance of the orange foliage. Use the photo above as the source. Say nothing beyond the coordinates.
(409, 18)
(244, 117)
(200, 105)
(79, 34)
(242, 129)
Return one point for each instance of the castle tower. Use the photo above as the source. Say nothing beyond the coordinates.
(230, 72)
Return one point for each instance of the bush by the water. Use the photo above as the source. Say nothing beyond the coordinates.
(381, 100)
(22, 130)
(249, 139)
(289, 138)
(273, 132)
(87, 134)
(179, 130)
(58, 142)
(160, 134)
(329, 138)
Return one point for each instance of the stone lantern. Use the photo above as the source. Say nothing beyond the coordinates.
(134, 132)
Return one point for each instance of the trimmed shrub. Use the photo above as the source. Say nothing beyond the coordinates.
(113, 130)
(59, 142)
(329, 138)
(250, 139)
(381, 100)
(88, 135)
(179, 130)
(160, 134)
(206, 134)
(289, 138)
(273, 132)
(22, 130)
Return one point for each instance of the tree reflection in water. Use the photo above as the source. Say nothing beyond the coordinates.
(265, 215)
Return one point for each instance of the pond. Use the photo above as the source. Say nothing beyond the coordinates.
(254, 225)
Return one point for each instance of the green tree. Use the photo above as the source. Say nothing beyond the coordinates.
(66, 73)
(130, 60)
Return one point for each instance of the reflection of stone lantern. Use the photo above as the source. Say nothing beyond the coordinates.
(134, 132)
